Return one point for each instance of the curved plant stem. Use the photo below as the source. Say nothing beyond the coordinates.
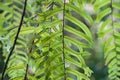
(16, 37)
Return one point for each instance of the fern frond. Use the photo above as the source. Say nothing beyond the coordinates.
(52, 49)
(110, 31)
(81, 39)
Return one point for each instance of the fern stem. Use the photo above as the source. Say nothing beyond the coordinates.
(111, 15)
(16, 37)
(25, 77)
(63, 42)
(113, 28)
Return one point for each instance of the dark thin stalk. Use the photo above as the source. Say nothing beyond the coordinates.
(111, 14)
(16, 37)
(112, 20)
(26, 72)
(63, 43)
(25, 77)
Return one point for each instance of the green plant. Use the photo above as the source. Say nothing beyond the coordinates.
(108, 13)
(56, 36)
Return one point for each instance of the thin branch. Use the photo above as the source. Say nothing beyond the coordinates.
(30, 51)
(63, 43)
(25, 77)
(16, 37)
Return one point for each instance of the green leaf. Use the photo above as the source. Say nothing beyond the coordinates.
(5, 7)
(116, 5)
(78, 33)
(81, 12)
(102, 14)
(79, 24)
(101, 3)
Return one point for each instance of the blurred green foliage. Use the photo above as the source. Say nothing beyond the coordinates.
(86, 21)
